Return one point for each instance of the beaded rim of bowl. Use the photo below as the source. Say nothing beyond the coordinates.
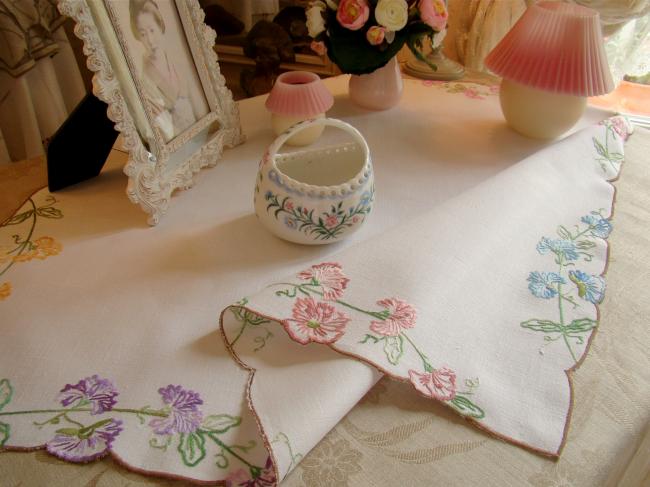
(314, 191)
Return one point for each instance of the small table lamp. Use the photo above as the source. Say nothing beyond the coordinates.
(551, 61)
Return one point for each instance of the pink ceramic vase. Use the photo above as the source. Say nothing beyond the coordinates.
(379, 90)
(298, 96)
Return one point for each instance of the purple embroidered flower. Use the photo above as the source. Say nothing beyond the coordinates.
(183, 411)
(99, 393)
(85, 444)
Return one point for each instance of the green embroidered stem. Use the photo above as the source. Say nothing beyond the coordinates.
(254, 470)
(561, 309)
(425, 360)
(118, 410)
(305, 288)
(22, 246)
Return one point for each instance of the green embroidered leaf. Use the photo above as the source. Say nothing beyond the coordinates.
(467, 408)
(5, 430)
(19, 218)
(599, 147)
(581, 325)
(49, 212)
(393, 348)
(563, 232)
(192, 448)
(220, 423)
(545, 326)
(6, 391)
(585, 244)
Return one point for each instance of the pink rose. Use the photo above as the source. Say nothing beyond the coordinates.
(353, 14)
(318, 47)
(434, 13)
(331, 221)
(375, 35)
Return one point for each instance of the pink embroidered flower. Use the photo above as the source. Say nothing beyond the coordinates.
(289, 205)
(473, 93)
(375, 35)
(438, 384)
(315, 322)
(355, 219)
(242, 478)
(318, 47)
(353, 14)
(329, 276)
(331, 221)
(434, 13)
(620, 127)
(402, 316)
(494, 89)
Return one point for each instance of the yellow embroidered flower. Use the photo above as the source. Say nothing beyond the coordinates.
(5, 290)
(43, 247)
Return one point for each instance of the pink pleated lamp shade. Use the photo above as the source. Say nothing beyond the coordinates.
(556, 47)
(299, 94)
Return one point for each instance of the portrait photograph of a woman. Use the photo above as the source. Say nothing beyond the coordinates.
(158, 51)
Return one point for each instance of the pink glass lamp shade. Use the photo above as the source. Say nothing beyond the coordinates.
(551, 61)
(298, 96)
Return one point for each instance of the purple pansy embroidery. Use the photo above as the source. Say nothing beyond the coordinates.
(183, 411)
(81, 437)
(84, 444)
(99, 393)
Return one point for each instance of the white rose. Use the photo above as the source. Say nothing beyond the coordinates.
(392, 14)
(438, 37)
(315, 21)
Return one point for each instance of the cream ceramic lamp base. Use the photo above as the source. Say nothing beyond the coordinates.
(280, 123)
(537, 113)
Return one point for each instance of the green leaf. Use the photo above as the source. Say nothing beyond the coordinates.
(192, 448)
(581, 325)
(585, 245)
(599, 147)
(6, 391)
(545, 326)
(19, 218)
(393, 348)
(49, 212)
(5, 431)
(467, 408)
(68, 431)
(563, 232)
(220, 423)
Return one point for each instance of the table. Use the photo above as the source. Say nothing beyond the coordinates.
(391, 437)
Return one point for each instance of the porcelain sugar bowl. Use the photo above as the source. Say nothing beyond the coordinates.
(315, 196)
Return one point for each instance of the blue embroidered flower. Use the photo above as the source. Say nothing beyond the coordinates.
(290, 222)
(366, 198)
(590, 288)
(268, 195)
(543, 284)
(560, 247)
(600, 227)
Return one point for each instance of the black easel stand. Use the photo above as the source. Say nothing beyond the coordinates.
(78, 150)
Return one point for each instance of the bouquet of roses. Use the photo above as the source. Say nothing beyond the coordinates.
(361, 36)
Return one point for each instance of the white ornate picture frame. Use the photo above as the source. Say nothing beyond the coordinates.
(168, 138)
